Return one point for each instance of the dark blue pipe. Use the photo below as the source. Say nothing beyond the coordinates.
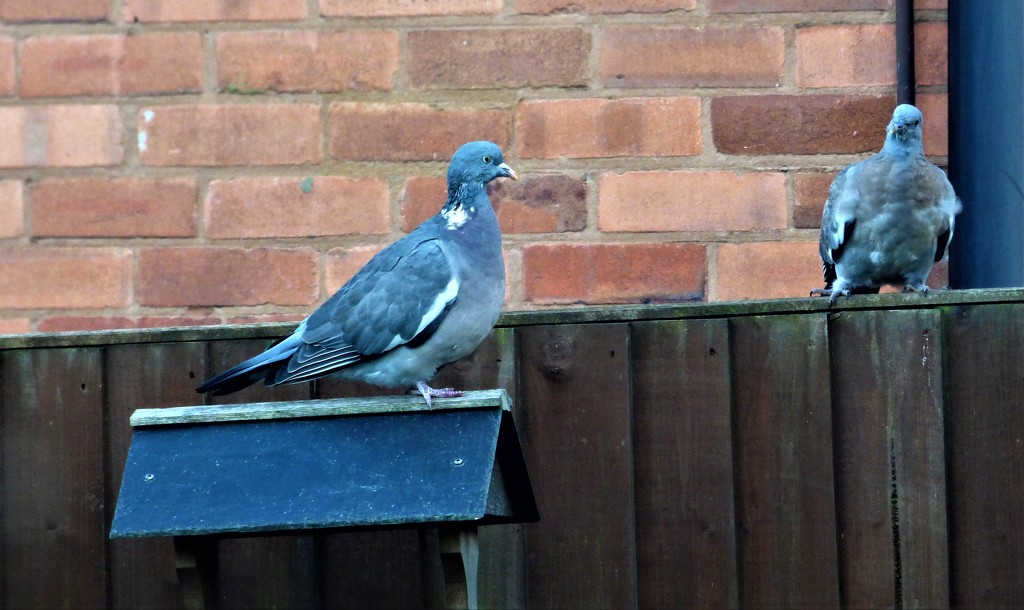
(986, 142)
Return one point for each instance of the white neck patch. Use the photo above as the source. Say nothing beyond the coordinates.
(455, 217)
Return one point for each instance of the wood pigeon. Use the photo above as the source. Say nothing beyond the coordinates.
(426, 300)
(887, 219)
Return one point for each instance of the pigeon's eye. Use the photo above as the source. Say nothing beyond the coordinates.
(487, 158)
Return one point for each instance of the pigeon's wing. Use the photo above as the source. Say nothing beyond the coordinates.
(838, 220)
(398, 298)
(949, 206)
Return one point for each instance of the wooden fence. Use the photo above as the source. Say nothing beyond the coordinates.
(761, 454)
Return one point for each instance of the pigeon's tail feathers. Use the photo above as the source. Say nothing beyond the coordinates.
(259, 367)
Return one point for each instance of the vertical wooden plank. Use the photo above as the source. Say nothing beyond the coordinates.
(686, 544)
(53, 519)
(577, 438)
(142, 570)
(783, 426)
(272, 571)
(890, 479)
(375, 569)
(985, 425)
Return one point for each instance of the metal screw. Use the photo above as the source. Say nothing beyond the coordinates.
(457, 461)
(149, 477)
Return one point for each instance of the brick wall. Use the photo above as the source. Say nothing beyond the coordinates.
(166, 162)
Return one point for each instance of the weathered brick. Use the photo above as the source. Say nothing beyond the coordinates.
(935, 108)
(6, 66)
(72, 323)
(581, 128)
(862, 55)
(214, 276)
(692, 57)
(306, 60)
(65, 278)
(931, 57)
(214, 10)
(114, 207)
(53, 10)
(272, 134)
(12, 208)
(795, 6)
(613, 273)
(534, 204)
(931, 4)
(265, 317)
(15, 326)
(767, 270)
(111, 64)
(60, 136)
(547, 7)
(343, 263)
(692, 201)
(407, 8)
(845, 55)
(810, 190)
(410, 132)
(296, 207)
(799, 124)
(496, 57)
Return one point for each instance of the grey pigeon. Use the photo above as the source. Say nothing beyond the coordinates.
(426, 300)
(887, 219)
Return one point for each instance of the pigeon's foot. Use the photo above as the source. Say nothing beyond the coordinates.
(428, 392)
(922, 288)
(831, 293)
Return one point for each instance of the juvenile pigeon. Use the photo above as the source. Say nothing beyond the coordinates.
(426, 300)
(887, 219)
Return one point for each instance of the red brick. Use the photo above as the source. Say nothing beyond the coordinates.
(53, 10)
(845, 55)
(632, 127)
(272, 134)
(296, 207)
(12, 208)
(265, 318)
(796, 6)
(931, 57)
(810, 190)
(6, 66)
(613, 273)
(307, 60)
(114, 207)
(212, 276)
(65, 278)
(343, 263)
(499, 57)
(15, 326)
(799, 124)
(111, 64)
(931, 4)
(60, 136)
(214, 10)
(547, 7)
(935, 108)
(534, 204)
(407, 8)
(410, 132)
(79, 323)
(767, 270)
(692, 57)
(692, 201)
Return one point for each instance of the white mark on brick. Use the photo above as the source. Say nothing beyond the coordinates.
(147, 116)
(143, 137)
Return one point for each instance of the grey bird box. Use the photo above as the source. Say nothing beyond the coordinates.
(343, 463)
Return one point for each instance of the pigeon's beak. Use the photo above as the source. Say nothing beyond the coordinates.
(507, 172)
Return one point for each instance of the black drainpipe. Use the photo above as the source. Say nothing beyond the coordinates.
(905, 79)
(986, 142)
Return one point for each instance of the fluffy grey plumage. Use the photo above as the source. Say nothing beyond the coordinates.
(889, 218)
(424, 301)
